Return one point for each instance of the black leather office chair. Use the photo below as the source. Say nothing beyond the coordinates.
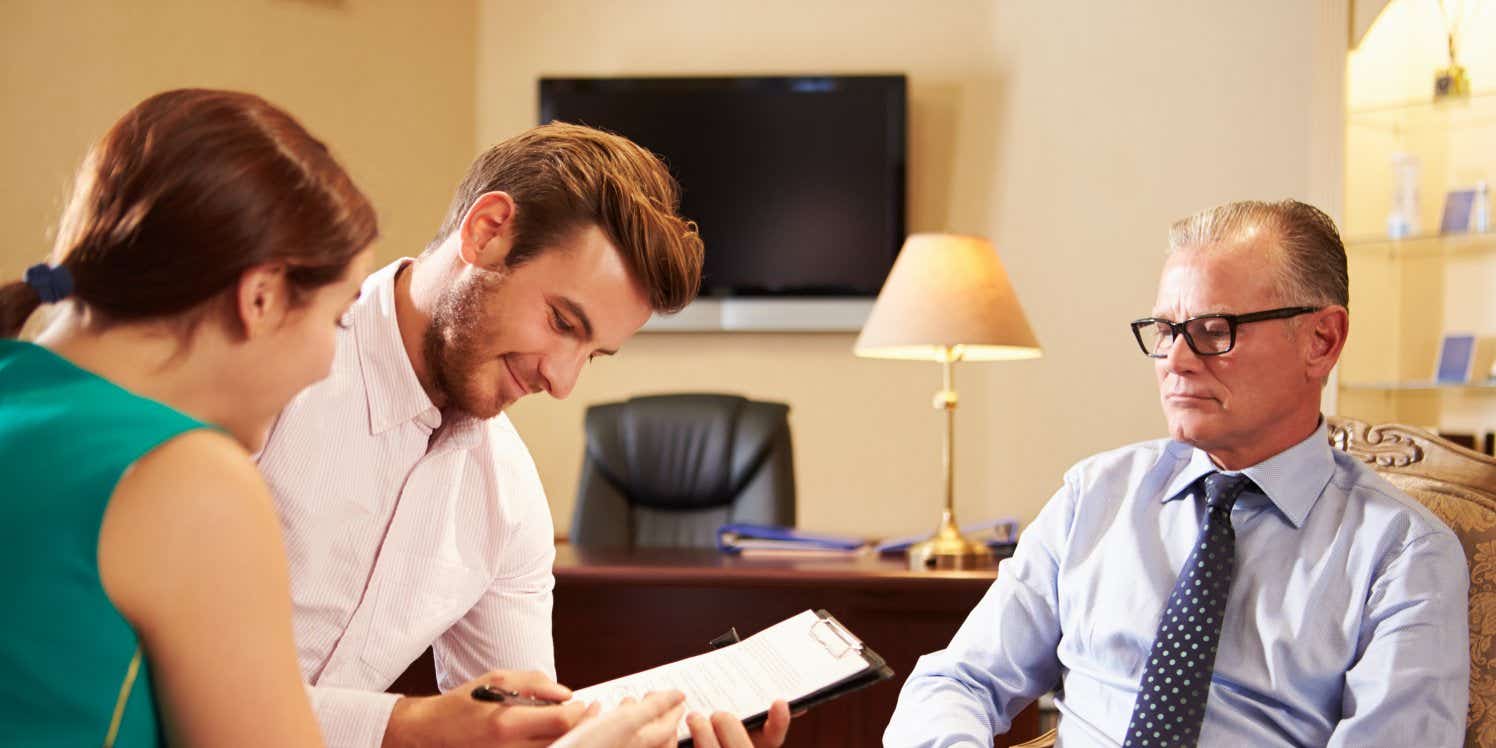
(668, 470)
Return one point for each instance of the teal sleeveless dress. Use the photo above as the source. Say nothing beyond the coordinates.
(72, 672)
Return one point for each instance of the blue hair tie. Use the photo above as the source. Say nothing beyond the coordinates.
(52, 283)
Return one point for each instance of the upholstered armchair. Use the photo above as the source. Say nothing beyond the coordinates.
(1459, 486)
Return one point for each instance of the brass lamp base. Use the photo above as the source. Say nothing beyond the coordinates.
(949, 550)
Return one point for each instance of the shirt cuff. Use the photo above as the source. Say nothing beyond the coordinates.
(351, 718)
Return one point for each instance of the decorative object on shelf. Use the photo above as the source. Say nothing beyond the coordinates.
(947, 299)
(1452, 82)
(1402, 221)
(1457, 209)
(1456, 358)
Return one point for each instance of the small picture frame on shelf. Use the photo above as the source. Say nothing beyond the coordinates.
(1457, 205)
(1456, 359)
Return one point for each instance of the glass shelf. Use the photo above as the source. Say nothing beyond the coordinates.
(1488, 386)
(1479, 110)
(1424, 245)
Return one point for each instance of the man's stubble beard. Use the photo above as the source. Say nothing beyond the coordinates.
(453, 339)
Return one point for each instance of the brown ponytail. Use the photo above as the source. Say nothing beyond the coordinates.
(17, 302)
(188, 190)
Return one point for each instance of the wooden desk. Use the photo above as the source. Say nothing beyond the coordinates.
(622, 611)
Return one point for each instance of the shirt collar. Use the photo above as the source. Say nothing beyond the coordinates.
(1292, 479)
(395, 395)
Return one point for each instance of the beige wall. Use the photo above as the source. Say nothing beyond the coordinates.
(1070, 133)
(389, 85)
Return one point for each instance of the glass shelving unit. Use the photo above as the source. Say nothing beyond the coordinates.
(1406, 294)
(1476, 111)
(1449, 245)
(1486, 387)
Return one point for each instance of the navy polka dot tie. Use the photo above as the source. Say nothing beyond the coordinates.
(1176, 679)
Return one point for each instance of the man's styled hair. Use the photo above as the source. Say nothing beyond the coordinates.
(564, 178)
(1311, 263)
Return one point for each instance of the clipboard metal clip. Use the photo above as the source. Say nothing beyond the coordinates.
(838, 640)
(727, 639)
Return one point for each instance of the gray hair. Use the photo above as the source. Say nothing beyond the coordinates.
(1311, 265)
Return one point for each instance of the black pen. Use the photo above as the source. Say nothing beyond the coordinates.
(512, 698)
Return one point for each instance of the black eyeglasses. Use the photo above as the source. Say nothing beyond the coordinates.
(1207, 334)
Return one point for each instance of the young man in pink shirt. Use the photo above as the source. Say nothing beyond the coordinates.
(412, 511)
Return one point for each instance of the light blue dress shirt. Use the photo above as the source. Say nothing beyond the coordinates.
(1346, 624)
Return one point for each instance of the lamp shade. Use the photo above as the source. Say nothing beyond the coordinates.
(947, 295)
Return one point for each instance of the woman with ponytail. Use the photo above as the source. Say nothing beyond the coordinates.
(208, 249)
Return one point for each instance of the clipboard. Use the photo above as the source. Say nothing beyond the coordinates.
(807, 659)
(835, 635)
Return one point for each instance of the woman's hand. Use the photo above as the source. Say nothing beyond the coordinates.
(650, 723)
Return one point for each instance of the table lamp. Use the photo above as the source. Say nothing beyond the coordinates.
(947, 299)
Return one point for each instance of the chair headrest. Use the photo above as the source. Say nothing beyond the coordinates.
(682, 451)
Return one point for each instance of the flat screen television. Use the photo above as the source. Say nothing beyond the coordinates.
(796, 183)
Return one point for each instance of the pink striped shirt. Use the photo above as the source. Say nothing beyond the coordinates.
(405, 527)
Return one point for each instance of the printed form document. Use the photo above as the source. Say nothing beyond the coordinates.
(804, 660)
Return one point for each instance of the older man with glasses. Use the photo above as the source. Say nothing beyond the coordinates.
(1240, 583)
